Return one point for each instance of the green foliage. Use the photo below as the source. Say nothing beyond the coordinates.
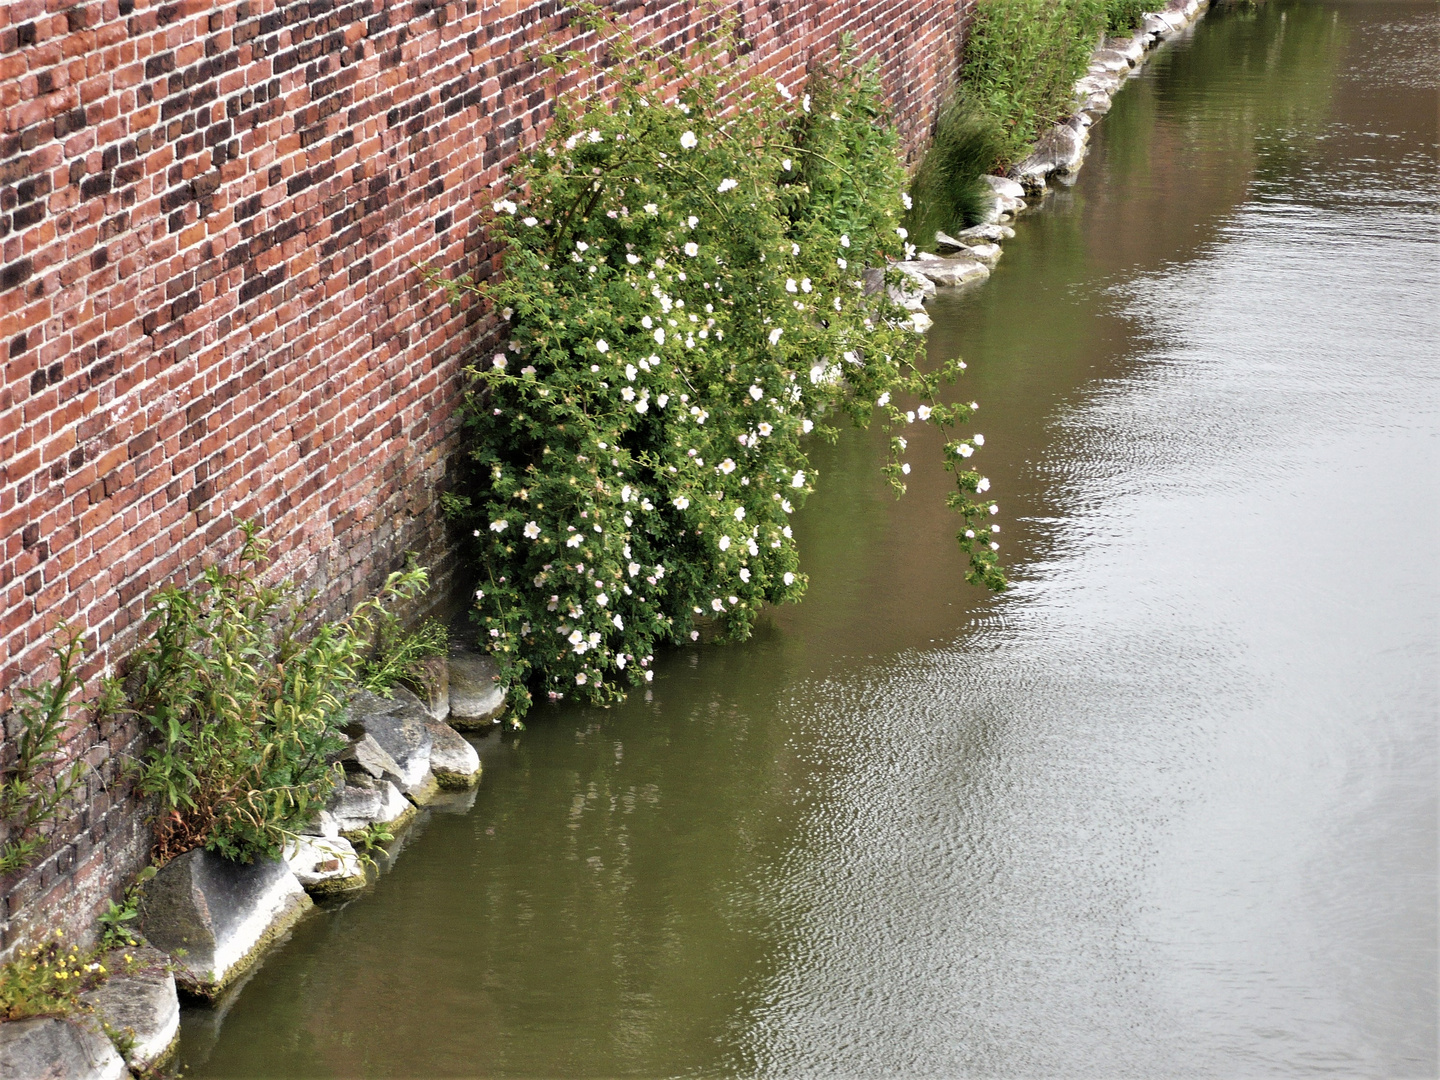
(946, 192)
(375, 835)
(243, 704)
(48, 980)
(34, 788)
(113, 929)
(397, 656)
(686, 296)
(1022, 59)
(1124, 16)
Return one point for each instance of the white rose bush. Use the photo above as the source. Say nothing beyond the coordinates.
(686, 303)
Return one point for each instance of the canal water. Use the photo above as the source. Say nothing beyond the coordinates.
(1167, 808)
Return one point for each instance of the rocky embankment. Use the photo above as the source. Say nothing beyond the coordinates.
(969, 256)
(207, 921)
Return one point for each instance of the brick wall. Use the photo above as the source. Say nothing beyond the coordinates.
(209, 212)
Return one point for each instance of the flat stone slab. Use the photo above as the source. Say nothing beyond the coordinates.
(957, 270)
(1132, 48)
(1003, 185)
(50, 1049)
(476, 699)
(985, 234)
(139, 999)
(989, 254)
(1110, 60)
(455, 763)
(397, 724)
(221, 914)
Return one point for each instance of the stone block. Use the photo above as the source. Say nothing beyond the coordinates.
(51, 1049)
(365, 801)
(455, 763)
(221, 914)
(397, 724)
(325, 865)
(476, 700)
(139, 999)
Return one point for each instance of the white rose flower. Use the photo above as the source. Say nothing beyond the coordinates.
(798, 480)
(724, 543)
(499, 526)
(727, 185)
(532, 530)
(688, 140)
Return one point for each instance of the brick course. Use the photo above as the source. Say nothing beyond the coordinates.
(210, 214)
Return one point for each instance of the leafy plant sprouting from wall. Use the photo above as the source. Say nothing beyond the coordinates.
(244, 705)
(35, 786)
(686, 288)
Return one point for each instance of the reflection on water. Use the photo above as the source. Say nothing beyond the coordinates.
(1167, 808)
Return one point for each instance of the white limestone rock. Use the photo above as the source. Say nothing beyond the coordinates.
(455, 763)
(959, 270)
(1003, 185)
(365, 801)
(989, 254)
(397, 724)
(476, 699)
(221, 914)
(139, 999)
(50, 1049)
(914, 289)
(1110, 60)
(985, 234)
(325, 865)
(1060, 150)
